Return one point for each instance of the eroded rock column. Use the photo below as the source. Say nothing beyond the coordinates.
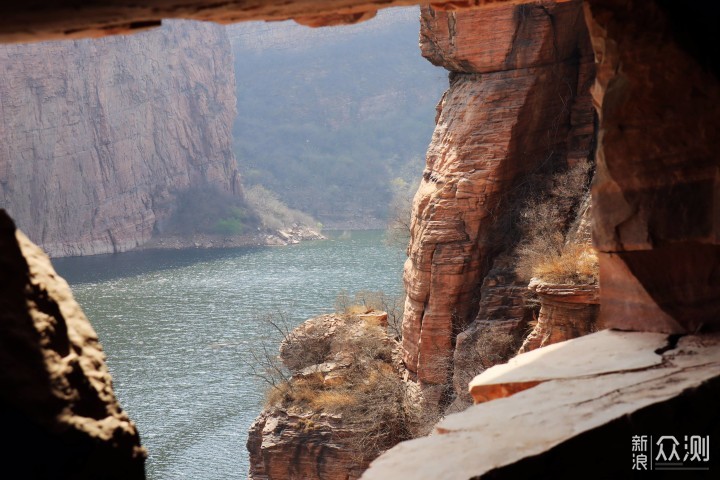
(566, 311)
(515, 71)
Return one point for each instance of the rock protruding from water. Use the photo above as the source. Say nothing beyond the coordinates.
(342, 403)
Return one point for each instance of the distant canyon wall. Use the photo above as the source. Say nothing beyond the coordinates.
(518, 108)
(100, 135)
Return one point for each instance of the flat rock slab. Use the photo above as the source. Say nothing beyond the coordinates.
(601, 353)
(592, 392)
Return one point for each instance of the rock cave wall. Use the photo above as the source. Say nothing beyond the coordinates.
(655, 218)
(99, 135)
(657, 192)
(59, 412)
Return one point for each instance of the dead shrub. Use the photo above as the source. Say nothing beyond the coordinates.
(370, 397)
(544, 251)
(333, 400)
(393, 305)
(493, 347)
(574, 264)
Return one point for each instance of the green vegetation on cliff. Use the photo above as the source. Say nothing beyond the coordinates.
(328, 118)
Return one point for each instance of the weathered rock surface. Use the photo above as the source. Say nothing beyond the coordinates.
(342, 406)
(657, 187)
(21, 22)
(517, 104)
(295, 445)
(566, 311)
(571, 407)
(99, 136)
(493, 337)
(59, 413)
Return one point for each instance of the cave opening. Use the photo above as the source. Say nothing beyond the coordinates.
(655, 189)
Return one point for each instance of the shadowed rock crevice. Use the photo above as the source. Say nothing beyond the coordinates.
(656, 188)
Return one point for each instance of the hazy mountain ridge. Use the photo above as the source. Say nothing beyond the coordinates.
(328, 118)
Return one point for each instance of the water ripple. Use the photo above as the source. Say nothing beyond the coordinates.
(179, 328)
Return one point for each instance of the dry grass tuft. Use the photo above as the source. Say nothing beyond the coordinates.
(544, 252)
(276, 394)
(333, 400)
(575, 265)
(393, 305)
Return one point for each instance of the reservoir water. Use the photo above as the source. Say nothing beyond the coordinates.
(179, 328)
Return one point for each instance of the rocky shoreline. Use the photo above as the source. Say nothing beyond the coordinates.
(276, 238)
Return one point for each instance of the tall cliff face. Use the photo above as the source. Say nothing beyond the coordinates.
(518, 106)
(99, 135)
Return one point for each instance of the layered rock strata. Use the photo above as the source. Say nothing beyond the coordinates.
(100, 136)
(607, 387)
(517, 106)
(291, 444)
(566, 311)
(20, 22)
(59, 413)
(497, 331)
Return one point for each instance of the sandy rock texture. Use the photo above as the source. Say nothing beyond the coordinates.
(59, 413)
(296, 445)
(340, 406)
(99, 136)
(566, 311)
(497, 331)
(518, 105)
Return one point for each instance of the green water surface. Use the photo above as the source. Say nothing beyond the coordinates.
(179, 327)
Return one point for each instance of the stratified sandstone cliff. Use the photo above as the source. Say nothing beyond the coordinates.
(58, 410)
(99, 136)
(517, 109)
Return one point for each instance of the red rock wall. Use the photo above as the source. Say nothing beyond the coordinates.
(495, 334)
(512, 109)
(286, 445)
(566, 312)
(51, 19)
(98, 135)
(657, 191)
